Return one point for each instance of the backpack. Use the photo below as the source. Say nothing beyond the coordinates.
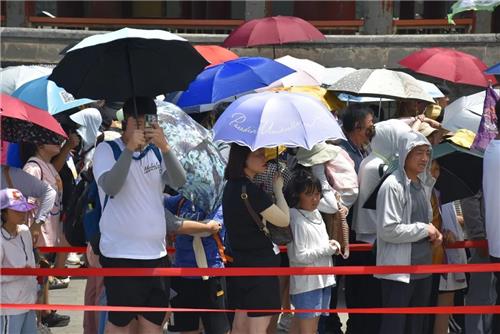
(84, 214)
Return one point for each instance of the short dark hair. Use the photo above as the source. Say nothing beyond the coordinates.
(26, 151)
(145, 105)
(237, 161)
(353, 115)
(303, 180)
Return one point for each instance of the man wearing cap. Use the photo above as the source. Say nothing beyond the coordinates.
(16, 251)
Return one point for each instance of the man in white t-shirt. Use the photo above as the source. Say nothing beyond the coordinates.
(134, 222)
(491, 191)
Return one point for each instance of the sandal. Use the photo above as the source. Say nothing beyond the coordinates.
(55, 284)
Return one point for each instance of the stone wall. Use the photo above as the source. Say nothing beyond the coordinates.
(28, 46)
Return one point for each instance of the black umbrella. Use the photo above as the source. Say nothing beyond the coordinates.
(126, 63)
(461, 171)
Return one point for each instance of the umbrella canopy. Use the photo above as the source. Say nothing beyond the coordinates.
(199, 156)
(296, 79)
(448, 64)
(23, 122)
(381, 83)
(271, 31)
(231, 79)
(126, 63)
(361, 99)
(270, 119)
(315, 91)
(215, 54)
(46, 95)
(495, 69)
(431, 89)
(315, 70)
(333, 74)
(461, 171)
(465, 112)
(13, 77)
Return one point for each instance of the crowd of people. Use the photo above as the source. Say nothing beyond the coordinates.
(376, 186)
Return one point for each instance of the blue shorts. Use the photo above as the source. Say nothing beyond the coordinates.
(318, 299)
(24, 323)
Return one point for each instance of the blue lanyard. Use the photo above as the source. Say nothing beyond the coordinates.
(143, 153)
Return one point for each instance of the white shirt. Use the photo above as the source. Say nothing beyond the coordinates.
(133, 222)
(13, 254)
(491, 190)
(310, 248)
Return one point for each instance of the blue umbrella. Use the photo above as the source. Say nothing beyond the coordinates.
(46, 95)
(495, 69)
(231, 79)
(269, 119)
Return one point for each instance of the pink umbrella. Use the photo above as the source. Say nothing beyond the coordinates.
(449, 64)
(272, 31)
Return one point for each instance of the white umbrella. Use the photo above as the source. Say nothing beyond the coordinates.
(465, 112)
(13, 77)
(431, 89)
(361, 99)
(334, 74)
(312, 68)
(381, 83)
(299, 78)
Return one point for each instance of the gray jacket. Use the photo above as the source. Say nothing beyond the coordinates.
(384, 151)
(395, 231)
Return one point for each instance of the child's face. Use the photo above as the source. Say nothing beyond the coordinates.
(309, 200)
(16, 217)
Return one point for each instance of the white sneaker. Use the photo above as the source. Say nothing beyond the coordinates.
(285, 321)
(73, 258)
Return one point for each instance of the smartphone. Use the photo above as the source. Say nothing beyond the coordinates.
(149, 120)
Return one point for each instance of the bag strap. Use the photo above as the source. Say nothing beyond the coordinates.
(220, 248)
(40, 167)
(6, 174)
(157, 152)
(180, 204)
(253, 214)
(117, 151)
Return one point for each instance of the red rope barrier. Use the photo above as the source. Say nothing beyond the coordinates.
(269, 271)
(390, 310)
(352, 247)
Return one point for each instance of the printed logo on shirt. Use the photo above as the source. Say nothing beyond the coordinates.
(152, 167)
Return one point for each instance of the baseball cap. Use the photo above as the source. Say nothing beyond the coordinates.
(13, 199)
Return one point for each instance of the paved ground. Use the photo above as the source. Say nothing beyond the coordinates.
(74, 295)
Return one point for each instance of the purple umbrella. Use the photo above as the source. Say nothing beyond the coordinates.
(270, 119)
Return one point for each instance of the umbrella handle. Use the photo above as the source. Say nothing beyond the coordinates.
(132, 83)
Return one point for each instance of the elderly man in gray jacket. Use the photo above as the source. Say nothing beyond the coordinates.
(405, 235)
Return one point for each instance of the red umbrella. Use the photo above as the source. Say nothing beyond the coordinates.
(23, 122)
(448, 64)
(215, 54)
(273, 30)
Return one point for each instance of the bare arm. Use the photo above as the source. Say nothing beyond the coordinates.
(278, 214)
